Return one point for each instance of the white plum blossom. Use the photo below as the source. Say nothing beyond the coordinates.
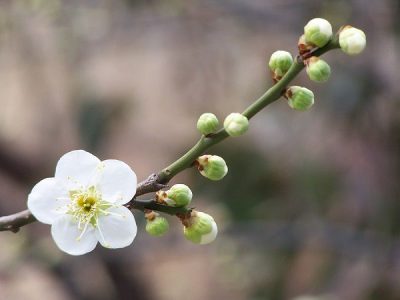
(84, 201)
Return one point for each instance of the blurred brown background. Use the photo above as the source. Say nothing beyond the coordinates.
(311, 203)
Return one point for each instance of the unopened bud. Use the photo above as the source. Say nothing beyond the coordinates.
(236, 124)
(207, 123)
(352, 40)
(179, 195)
(318, 32)
(300, 98)
(212, 167)
(318, 70)
(280, 62)
(156, 225)
(200, 228)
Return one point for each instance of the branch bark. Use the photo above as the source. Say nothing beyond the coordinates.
(15, 221)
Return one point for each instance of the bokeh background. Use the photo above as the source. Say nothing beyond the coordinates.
(310, 208)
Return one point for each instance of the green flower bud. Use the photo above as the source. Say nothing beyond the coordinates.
(200, 228)
(300, 98)
(318, 32)
(212, 167)
(317, 69)
(352, 40)
(179, 195)
(236, 124)
(207, 123)
(280, 62)
(156, 225)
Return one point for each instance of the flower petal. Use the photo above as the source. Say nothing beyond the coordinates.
(209, 237)
(47, 200)
(117, 182)
(117, 229)
(65, 233)
(77, 168)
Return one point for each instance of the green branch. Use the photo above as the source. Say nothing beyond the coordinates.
(271, 95)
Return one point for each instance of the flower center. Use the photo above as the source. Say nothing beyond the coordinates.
(86, 206)
(86, 202)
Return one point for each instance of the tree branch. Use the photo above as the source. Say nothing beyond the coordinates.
(144, 205)
(15, 221)
(155, 182)
(271, 95)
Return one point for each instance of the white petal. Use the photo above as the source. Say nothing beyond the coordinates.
(117, 182)
(209, 237)
(77, 168)
(65, 233)
(118, 229)
(47, 200)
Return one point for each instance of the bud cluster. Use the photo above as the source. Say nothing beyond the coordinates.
(199, 227)
(317, 34)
